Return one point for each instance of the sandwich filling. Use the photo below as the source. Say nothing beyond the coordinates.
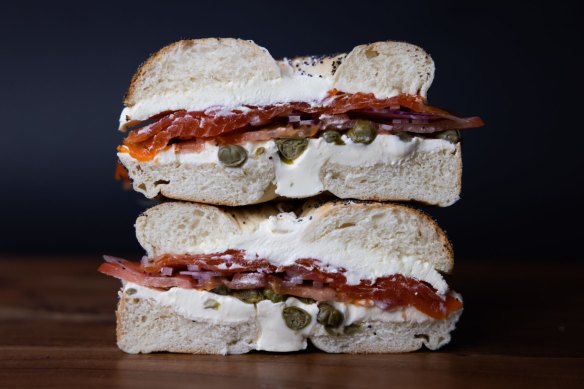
(360, 115)
(233, 273)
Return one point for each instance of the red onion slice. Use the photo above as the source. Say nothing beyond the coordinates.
(145, 261)
(255, 120)
(386, 114)
(294, 280)
(307, 122)
(201, 275)
(112, 259)
(381, 304)
(293, 119)
(166, 271)
(193, 268)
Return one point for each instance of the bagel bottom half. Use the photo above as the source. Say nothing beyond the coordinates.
(145, 326)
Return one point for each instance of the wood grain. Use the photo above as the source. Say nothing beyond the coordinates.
(522, 327)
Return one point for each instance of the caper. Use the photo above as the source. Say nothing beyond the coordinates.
(259, 151)
(222, 290)
(131, 291)
(363, 132)
(329, 316)
(352, 329)
(296, 318)
(211, 304)
(452, 136)
(232, 155)
(290, 149)
(306, 300)
(332, 136)
(273, 296)
(404, 136)
(250, 296)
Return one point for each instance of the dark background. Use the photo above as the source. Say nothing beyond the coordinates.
(65, 68)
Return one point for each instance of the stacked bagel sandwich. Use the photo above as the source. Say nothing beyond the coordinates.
(279, 226)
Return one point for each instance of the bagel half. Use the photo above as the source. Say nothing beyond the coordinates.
(194, 98)
(196, 74)
(362, 244)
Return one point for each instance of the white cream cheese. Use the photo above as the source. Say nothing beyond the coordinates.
(356, 314)
(272, 332)
(196, 304)
(282, 239)
(291, 87)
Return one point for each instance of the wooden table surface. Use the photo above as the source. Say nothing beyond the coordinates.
(523, 326)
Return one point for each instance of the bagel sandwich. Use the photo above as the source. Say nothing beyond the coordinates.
(348, 277)
(220, 121)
